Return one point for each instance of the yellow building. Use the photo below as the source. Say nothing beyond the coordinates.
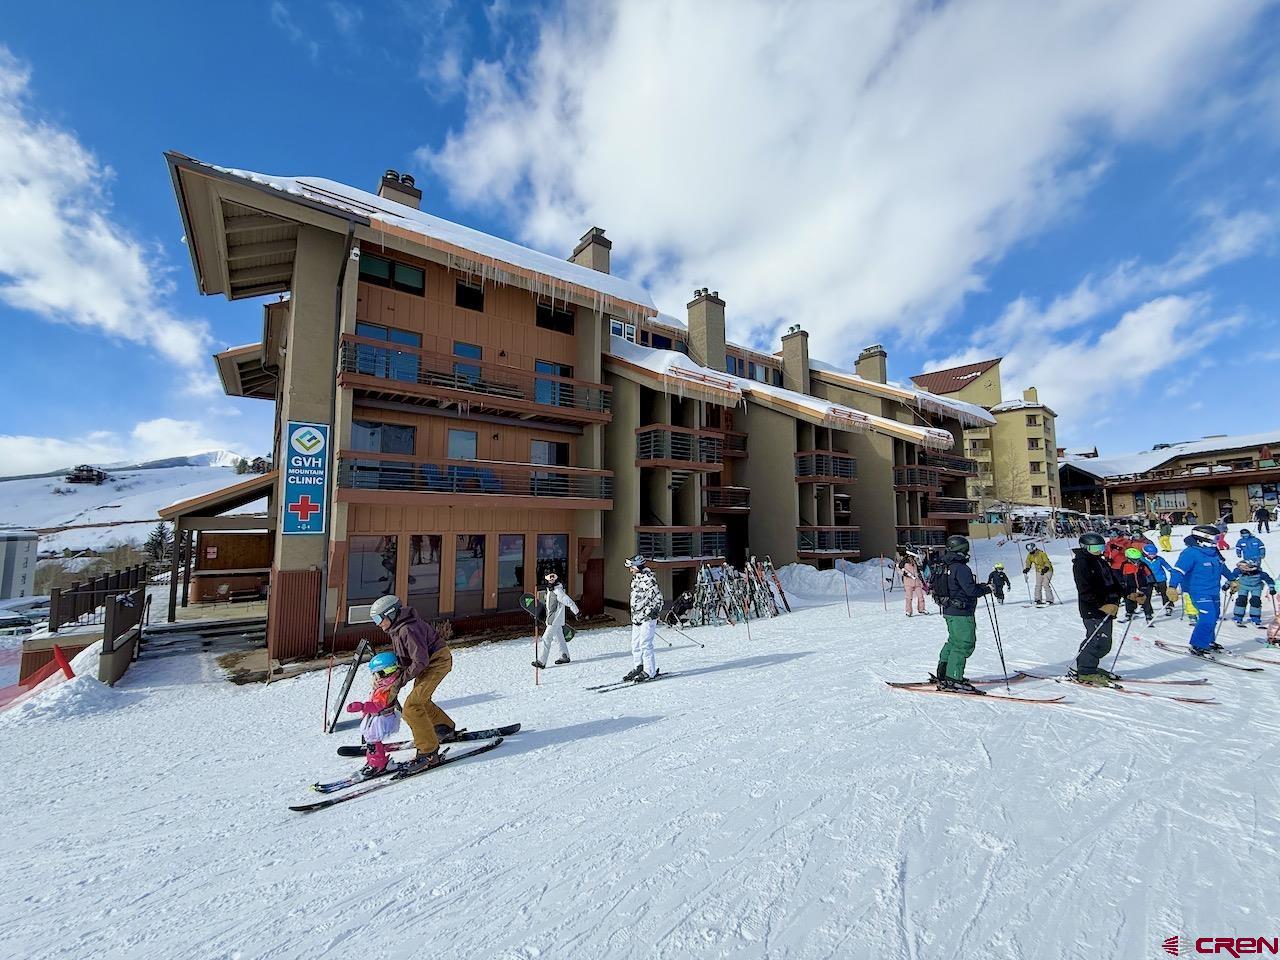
(1018, 455)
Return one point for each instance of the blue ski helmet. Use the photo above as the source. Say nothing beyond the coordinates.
(1150, 549)
(384, 662)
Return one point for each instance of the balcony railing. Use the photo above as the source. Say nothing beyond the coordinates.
(679, 447)
(728, 499)
(735, 443)
(916, 478)
(680, 544)
(825, 466)
(411, 371)
(921, 536)
(948, 464)
(403, 474)
(843, 541)
(951, 508)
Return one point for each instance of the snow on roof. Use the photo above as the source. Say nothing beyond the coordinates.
(967, 413)
(673, 364)
(1126, 465)
(953, 378)
(348, 199)
(1008, 405)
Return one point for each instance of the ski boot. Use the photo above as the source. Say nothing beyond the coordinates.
(960, 686)
(539, 664)
(1197, 652)
(1113, 677)
(1238, 623)
(423, 760)
(561, 661)
(940, 677)
(377, 761)
(1098, 679)
(635, 672)
(1216, 647)
(643, 675)
(1151, 622)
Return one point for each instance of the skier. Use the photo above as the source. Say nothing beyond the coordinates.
(998, 580)
(1190, 517)
(1044, 573)
(646, 604)
(1263, 516)
(555, 600)
(381, 712)
(912, 581)
(1197, 572)
(426, 660)
(1166, 534)
(1249, 547)
(1138, 582)
(1099, 591)
(957, 591)
(1248, 591)
(1160, 571)
(680, 607)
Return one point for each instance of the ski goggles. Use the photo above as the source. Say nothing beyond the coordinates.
(1096, 548)
(387, 671)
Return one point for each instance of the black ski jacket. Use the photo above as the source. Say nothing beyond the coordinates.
(1096, 582)
(961, 589)
(999, 580)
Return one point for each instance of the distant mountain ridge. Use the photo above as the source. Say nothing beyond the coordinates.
(210, 458)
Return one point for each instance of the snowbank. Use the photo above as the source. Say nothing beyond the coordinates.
(65, 700)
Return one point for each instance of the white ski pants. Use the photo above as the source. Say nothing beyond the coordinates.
(554, 631)
(642, 635)
(1044, 585)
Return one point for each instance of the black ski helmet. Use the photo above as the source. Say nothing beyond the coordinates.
(958, 544)
(1092, 539)
(1205, 534)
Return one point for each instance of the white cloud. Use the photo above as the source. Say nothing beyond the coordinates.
(148, 440)
(855, 167)
(282, 17)
(62, 256)
(347, 17)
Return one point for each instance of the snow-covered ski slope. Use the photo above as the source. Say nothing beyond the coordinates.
(773, 800)
(98, 515)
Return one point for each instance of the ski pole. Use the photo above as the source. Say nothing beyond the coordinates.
(683, 634)
(844, 578)
(884, 596)
(1027, 583)
(995, 628)
(1089, 639)
(324, 726)
(1123, 637)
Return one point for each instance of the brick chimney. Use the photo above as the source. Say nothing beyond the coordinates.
(592, 250)
(1030, 395)
(706, 328)
(873, 364)
(795, 360)
(399, 187)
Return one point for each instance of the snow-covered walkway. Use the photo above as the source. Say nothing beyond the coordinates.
(775, 800)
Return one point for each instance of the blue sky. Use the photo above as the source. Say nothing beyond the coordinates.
(1092, 191)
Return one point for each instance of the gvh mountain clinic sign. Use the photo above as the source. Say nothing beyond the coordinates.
(306, 478)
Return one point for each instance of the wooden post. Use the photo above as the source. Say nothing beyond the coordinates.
(55, 609)
(175, 553)
(186, 567)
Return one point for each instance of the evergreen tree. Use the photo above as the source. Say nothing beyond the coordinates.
(242, 465)
(159, 543)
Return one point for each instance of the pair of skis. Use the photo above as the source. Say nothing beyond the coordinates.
(624, 684)
(927, 686)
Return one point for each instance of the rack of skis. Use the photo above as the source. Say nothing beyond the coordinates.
(725, 594)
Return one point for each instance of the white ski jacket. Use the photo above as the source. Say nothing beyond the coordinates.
(556, 600)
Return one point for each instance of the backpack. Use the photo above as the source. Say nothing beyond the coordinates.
(940, 581)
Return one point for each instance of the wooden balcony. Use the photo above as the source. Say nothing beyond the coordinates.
(396, 479)
(949, 464)
(826, 542)
(681, 546)
(727, 500)
(923, 536)
(375, 370)
(680, 448)
(908, 479)
(951, 508)
(735, 443)
(825, 466)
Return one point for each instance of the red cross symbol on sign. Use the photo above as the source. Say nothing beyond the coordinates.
(304, 508)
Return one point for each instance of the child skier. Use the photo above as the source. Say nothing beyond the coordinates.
(555, 600)
(1160, 572)
(381, 712)
(1198, 572)
(998, 581)
(1249, 547)
(912, 581)
(1248, 591)
(1138, 582)
(1165, 530)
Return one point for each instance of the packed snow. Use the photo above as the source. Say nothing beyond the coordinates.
(772, 798)
(96, 516)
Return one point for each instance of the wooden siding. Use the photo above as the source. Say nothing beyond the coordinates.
(512, 443)
(293, 611)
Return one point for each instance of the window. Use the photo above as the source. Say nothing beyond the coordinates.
(551, 452)
(467, 371)
(510, 570)
(1033, 443)
(627, 331)
(468, 575)
(553, 554)
(553, 392)
(462, 445)
(660, 342)
(735, 365)
(374, 437)
(424, 574)
(1037, 466)
(556, 319)
(777, 376)
(371, 568)
(388, 363)
(1033, 420)
(1037, 491)
(388, 273)
(644, 337)
(468, 296)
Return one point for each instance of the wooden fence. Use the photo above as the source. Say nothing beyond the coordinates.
(122, 633)
(81, 602)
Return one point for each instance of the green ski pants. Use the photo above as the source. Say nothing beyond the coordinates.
(962, 637)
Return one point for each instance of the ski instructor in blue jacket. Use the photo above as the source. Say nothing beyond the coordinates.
(1199, 572)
